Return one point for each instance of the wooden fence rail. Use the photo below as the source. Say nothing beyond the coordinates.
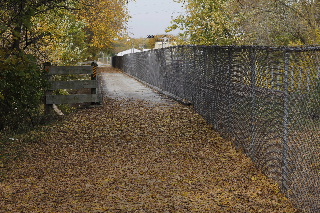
(94, 98)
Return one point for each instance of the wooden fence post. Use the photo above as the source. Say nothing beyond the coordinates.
(48, 108)
(51, 99)
(94, 77)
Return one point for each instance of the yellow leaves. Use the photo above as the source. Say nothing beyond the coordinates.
(134, 165)
(65, 37)
(208, 22)
(105, 19)
(73, 35)
(221, 22)
(254, 178)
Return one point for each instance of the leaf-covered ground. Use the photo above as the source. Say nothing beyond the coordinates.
(131, 156)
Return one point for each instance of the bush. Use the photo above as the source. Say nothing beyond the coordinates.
(22, 85)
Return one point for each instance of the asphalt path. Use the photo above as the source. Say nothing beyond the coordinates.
(117, 85)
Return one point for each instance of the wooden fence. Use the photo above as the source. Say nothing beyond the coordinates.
(95, 98)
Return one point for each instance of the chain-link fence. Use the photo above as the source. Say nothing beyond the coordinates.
(266, 99)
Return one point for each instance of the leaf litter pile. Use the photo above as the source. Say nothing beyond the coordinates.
(130, 156)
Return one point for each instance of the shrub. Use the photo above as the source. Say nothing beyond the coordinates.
(22, 85)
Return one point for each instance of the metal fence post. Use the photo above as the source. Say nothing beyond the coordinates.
(230, 103)
(253, 67)
(285, 171)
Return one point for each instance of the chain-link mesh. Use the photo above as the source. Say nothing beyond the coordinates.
(266, 99)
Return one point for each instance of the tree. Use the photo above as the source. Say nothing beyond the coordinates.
(105, 21)
(207, 22)
(21, 79)
(65, 42)
(279, 22)
(62, 31)
(24, 24)
(16, 22)
(258, 22)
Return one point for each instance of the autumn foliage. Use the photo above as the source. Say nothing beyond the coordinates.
(105, 21)
(62, 32)
(249, 22)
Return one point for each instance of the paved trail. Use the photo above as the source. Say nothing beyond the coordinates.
(120, 86)
(132, 156)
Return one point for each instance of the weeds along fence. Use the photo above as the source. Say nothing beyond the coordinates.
(266, 99)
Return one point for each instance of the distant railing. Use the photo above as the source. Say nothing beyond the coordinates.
(91, 84)
(266, 99)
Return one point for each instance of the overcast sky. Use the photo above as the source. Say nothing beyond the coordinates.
(152, 17)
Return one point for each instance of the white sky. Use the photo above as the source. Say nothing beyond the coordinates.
(152, 17)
